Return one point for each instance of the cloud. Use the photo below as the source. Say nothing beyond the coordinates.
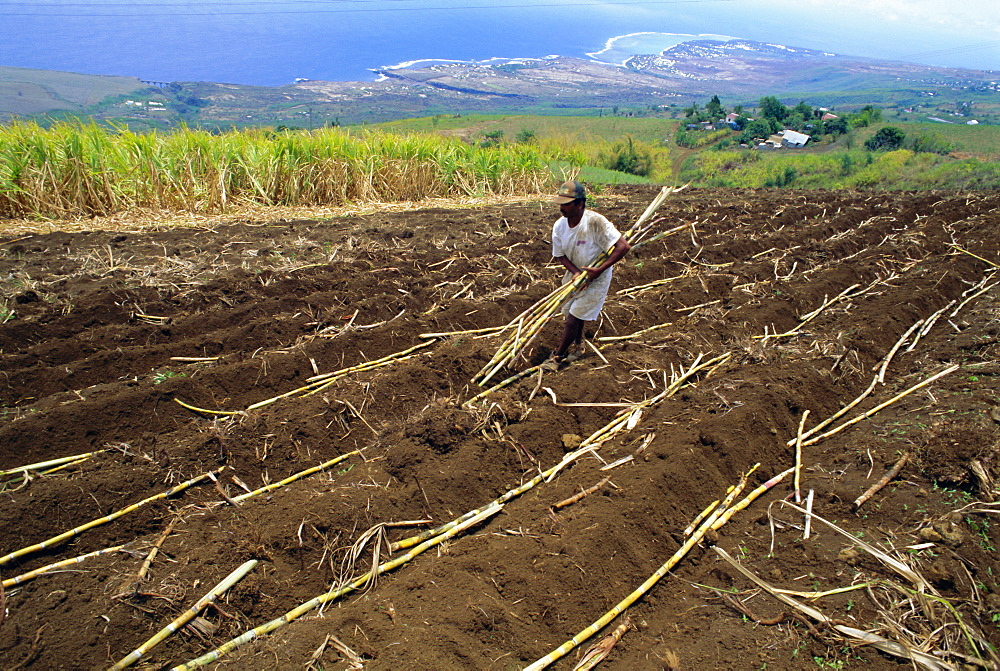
(972, 16)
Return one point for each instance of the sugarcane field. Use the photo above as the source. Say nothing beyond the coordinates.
(340, 443)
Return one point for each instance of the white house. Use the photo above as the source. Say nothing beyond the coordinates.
(791, 138)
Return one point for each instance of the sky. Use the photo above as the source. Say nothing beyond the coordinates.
(271, 42)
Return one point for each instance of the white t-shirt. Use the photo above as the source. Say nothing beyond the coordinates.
(582, 244)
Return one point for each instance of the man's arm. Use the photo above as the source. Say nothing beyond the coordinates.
(620, 250)
(568, 265)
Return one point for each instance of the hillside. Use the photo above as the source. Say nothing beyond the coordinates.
(739, 70)
(27, 92)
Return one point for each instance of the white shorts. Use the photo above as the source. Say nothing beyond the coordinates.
(587, 304)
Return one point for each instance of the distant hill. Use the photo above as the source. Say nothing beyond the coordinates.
(741, 71)
(27, 92)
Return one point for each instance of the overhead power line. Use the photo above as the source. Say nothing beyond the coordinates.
(141, 7)
(953, 50)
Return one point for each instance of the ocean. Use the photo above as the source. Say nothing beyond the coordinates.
(270, 44)
(274, 42)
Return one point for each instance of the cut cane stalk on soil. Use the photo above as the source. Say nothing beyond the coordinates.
(748, 499)
(881, 406)
(187, 616)
(30, 575)
(640, 288)
(304, 608)
(144, 569)
(874, 489)
(805, 319)
(798, 457)
(43, 465)
(634, 335)
(650, 582)
(55, 540)
(589, 445)
(925, 660)
(597, 652)
(879, 378)
(500, 385)
(581, 494)
(318, 383)
(297, 476)
(449, 334)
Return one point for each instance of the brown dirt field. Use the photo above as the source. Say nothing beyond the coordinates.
(277, 301)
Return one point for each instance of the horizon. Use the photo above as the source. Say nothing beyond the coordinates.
(273, 42)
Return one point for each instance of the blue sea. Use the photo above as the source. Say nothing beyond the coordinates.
(272, 43)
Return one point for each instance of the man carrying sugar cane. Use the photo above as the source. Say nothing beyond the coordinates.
(578, 238)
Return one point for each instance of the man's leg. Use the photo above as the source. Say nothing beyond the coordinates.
(572, 333)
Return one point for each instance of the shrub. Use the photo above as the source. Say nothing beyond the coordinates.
(889, 138)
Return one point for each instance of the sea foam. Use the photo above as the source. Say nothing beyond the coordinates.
(619, 49)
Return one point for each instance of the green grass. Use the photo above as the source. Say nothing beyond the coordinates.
(842, 169)
(26, 91)
(982, 141)
(578, 128)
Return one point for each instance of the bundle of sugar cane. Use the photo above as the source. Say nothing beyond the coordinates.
(528, 324)
(318, 383)
(664, 234)
(333, 594)
(187, 615)
(55, 540)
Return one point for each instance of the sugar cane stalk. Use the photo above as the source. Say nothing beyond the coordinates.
(187, 616)
(298, 476)
(30, 575)
(650, 582)
(881, 406)
(148, 561)
(587, 446)
(304, 608)
(798, 457)
(500, 385)
(874, 489)
(42, 465)
(318, 383)
(55, 540)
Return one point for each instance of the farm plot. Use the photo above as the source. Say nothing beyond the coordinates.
(290, 401)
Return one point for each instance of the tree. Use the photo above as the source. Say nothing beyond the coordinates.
(758, 128)
(836, 126)
(491, 139)
(772, 108)
(715, 109)
(795, 121)
(804, 109)
(886, 139)
(867, 116)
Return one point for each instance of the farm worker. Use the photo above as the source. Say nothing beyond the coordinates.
(578, 237)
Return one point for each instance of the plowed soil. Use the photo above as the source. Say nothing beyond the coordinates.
(93, 321)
